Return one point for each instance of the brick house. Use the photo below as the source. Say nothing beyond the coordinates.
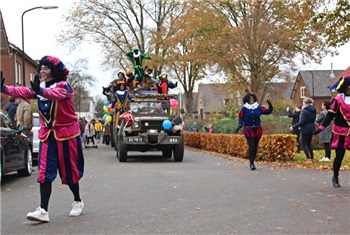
(11, 63)
(314, 84)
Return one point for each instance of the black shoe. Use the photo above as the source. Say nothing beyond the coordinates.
(252, 166)
(335, 182)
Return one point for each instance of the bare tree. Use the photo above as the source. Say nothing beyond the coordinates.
(118, 26)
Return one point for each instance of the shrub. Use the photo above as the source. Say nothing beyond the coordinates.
(280, 147)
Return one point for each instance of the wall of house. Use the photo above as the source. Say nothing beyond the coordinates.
(8, 70)
(8, 66)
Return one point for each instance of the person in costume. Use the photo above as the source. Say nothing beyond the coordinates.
(339, 110)
(120, 100)
(136, 58)
(60, 145)
(249, 119)
(163, 84)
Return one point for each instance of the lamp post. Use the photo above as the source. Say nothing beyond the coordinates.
(23, 54)
(313, 85)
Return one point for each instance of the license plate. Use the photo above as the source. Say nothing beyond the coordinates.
(134, 139)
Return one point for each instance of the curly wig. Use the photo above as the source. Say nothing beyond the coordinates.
(246, 97)
(59, 71)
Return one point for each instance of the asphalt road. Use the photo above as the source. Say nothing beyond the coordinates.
(204, 194)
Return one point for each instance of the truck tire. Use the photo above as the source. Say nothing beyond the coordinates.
(179, 152)
(122, 152)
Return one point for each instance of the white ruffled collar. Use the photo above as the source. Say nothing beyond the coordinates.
(43, 85)
(251, 106)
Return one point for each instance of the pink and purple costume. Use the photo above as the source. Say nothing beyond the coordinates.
(60, 146)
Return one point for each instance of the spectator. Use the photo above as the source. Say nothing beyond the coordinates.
(106, 133)
(326, 135)
(11, 108)
(98, 130)
(210, 129)
(194, 127)
(295, 119)
(25, 117)
(82, 124)
(307, 127)
(89, 133)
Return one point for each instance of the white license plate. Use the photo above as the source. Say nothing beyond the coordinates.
(134, 139)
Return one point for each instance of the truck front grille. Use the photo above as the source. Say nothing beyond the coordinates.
(156, 125)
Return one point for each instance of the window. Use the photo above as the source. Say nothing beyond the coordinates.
(302, 92)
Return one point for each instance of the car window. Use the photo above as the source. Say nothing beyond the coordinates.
(6, 122)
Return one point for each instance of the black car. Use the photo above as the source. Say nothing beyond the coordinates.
(16, 154)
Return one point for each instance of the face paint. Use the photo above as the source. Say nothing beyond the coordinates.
(46, 70)
(45, 73)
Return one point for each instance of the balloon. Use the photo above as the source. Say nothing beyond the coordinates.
(104, 108)
(104, 117)
(173, 103)
(109, 119)
(167, 124)
(106, 103)
(109, 107)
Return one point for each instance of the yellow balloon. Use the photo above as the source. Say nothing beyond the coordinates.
(109, 119)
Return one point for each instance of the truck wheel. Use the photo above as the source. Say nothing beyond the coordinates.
(179, 152)
(167, 153)
(122, 151)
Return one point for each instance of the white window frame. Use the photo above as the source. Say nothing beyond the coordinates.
(302, 92)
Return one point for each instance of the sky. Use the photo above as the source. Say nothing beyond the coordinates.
(42, 26)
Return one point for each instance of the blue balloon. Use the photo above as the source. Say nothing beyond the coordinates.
(167, 124)
(106, 103)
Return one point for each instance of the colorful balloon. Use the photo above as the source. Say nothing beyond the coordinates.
(173, 103)
(109, 119)
(167, 124)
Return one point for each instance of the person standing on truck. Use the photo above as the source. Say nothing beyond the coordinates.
(136, 58)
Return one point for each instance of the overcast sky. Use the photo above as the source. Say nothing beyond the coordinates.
(41, 27)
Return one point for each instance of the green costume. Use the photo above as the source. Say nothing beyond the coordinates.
(136, 58)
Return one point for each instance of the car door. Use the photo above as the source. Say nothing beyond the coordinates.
(12, 142)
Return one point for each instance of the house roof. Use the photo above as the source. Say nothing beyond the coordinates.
(321, 80)
(4, 43)
(212, 97)
(346, 71)
(280, 90)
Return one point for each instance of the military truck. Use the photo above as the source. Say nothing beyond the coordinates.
(146, 127)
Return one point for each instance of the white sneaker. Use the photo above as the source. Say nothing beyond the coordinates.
(77, 208)
(39, 214)
(325, 159)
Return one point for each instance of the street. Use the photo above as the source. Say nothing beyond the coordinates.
(204, 194)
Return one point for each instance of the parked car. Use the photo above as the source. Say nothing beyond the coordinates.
(36, 140)
(15, 147)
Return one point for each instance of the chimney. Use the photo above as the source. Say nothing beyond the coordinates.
(332, 74)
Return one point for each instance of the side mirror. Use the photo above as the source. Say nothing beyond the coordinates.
(21, 128)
